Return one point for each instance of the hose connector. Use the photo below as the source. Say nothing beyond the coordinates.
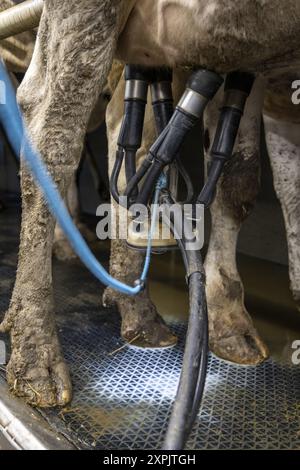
(140, 284)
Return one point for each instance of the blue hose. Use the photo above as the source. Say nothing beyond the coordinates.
(12, 123)
(161, 184)
(10, 116)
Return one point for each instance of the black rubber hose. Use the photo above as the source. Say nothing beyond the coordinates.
(239, 86)
(115, 176)
(150, 182)
(201, 381)
(135, 180)
(163, 111)
(133, 183)
(130, 171)
(165, 150)
(207, 194)
(130, 164)
(193, 374)
(187, 181)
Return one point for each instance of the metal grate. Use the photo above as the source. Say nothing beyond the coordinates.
(122, 400)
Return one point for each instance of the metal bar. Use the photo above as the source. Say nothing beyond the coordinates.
(20, 18)
(23, 427)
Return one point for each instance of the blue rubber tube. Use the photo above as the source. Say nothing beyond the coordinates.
(12, 123)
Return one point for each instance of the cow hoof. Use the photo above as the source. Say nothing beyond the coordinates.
(141, 324)
(245, 349)
(44, 383)
(232, 335)
(41, 387)
(62, 250)
(151, 334)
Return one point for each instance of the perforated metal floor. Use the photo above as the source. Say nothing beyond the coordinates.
(122, 399)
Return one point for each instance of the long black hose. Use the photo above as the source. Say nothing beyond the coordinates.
(187, 181)
(193, 374)
(115, 176)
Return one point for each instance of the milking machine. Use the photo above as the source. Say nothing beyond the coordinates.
(138, 80)
(153, 176)
(156, 170)
(154, 181)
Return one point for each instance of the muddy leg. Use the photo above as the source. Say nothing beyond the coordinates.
(283, 142)
(139, 314)
(62, 249)
(71, 61)
(232, 334)
(140, 319)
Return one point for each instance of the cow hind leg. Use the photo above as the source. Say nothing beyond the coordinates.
(283, 142)
(71, 62)
(62, 249)
(232, 333)
(141, 323)
(140, 319)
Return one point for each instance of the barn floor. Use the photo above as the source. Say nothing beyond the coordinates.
(123, 395)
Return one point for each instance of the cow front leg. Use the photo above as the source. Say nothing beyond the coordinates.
(36, 370)
(231, 331)
(72, 58)
(140, 318)
(283, 142)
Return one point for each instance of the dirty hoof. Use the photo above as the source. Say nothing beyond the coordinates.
(232, 335)
(154, 334)
(246, 349)
(42, 385)
(63, 251)
(142, 326)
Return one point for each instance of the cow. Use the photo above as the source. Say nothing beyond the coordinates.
(75, 47)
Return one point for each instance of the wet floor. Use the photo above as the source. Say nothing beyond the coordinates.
(268, 298)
